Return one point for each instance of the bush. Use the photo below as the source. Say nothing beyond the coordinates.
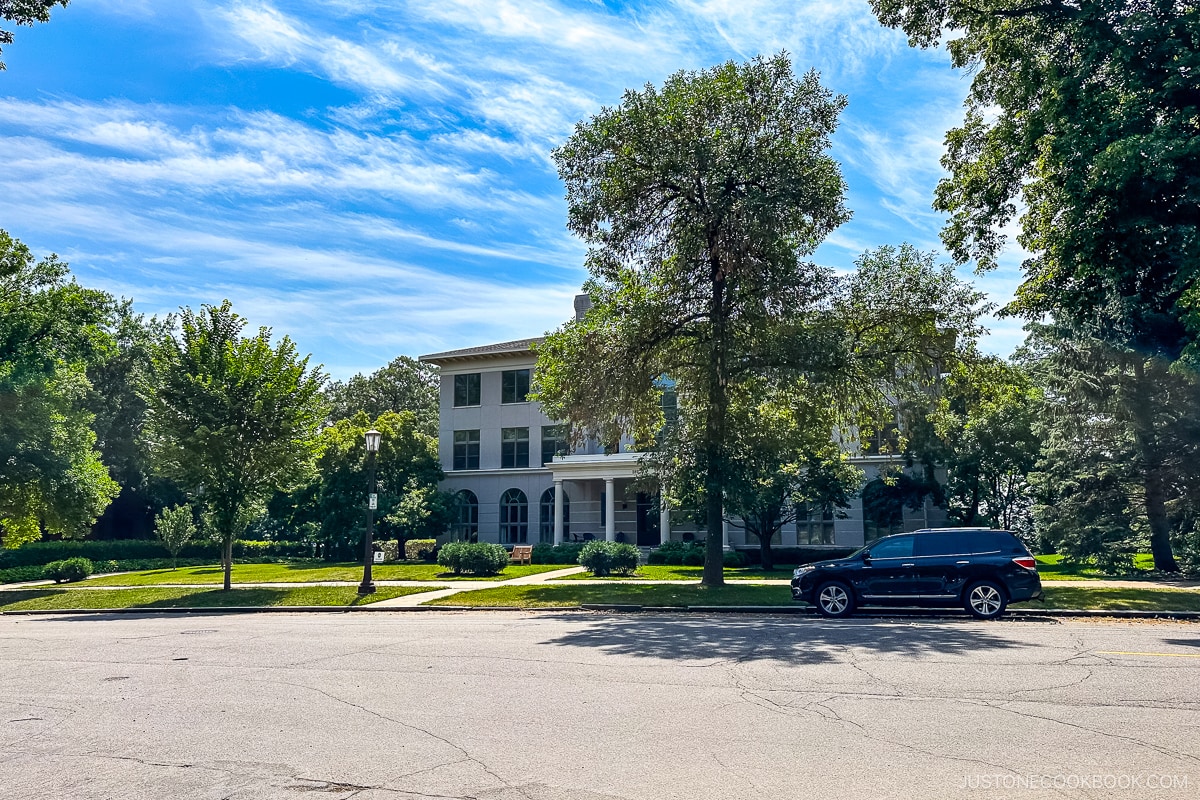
(473, 558)
(605, 558)
(40, 553)
(565, 553)
(390, 549)
(796, 555)
(734, 558)
(420, 549)
(693, 558)
(68, 570)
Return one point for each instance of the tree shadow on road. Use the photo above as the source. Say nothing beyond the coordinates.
(795, 640)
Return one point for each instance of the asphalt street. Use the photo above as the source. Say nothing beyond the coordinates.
(527, 706)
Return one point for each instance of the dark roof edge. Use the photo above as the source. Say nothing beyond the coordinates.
(484, 351)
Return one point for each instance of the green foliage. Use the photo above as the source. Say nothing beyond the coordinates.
(735, 558)
(695, 557)
(390, 549)
(231, 416)
(24, 12)
(420, 549)
(68, 570)
(403, 385)
(175, 527)
(674, 552)
(333, 503)
(51, 329)
(605, 558)
(473, 558)
(565, 553)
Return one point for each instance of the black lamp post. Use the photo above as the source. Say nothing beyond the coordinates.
(368, 586)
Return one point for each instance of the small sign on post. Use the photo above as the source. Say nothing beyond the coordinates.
(372, 501)
(379, 556)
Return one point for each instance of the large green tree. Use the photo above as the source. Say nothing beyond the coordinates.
(332, 505)
(232, 418)
(51, 330)
(24, 12)
(405, 384)
(699, 202)
(1082, 117)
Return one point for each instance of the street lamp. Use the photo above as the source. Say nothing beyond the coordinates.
(373, 439)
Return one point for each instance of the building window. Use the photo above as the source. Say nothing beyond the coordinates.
(466, 390)
(514, 385)
(514, 447)
(884, 440)
(466, 449)
(466, 517)
(814, 523)
(546, 517)
(554, 442)
(514, 517)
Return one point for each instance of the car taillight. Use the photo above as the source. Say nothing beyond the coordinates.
(1028, 562)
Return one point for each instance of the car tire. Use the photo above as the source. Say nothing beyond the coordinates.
(834, 599)
(985, 600)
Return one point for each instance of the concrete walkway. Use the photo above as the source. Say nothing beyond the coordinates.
(410, 600)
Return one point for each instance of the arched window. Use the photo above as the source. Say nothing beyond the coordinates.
(466, 521)
(546, 517)
(514, 517)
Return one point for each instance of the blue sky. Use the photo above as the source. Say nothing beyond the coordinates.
(374, 178)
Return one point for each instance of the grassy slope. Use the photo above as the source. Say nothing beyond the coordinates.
(301, 573)
(66, 599)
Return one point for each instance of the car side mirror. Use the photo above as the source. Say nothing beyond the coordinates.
(866, 557)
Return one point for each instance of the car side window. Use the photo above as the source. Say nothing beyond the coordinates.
(982, 543)
(900, 547)
(939, 544)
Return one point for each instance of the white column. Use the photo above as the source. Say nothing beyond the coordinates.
(664, 521)
(725, 534)
(610, 510)
(558, 512)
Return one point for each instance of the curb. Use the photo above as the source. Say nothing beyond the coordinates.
(612, 608)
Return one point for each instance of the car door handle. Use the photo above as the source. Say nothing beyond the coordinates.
(962, 562)
(909, 564)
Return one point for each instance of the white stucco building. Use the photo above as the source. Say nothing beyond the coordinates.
(518, 484)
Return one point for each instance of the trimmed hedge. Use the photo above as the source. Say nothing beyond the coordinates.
(796, 555)
(565, 553)
(420, 549)
(68, 570)
(604, 558)
(39, 553)
(473, 558)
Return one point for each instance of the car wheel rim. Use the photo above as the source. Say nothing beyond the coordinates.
(985, 600)
(834, 599)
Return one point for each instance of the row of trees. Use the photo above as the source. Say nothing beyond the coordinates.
(107, 417)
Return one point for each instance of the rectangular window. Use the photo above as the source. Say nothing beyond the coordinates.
(466, 390)
(466, 449)
(514, 385)
(814, 524)
(514, 447)
(554, 442)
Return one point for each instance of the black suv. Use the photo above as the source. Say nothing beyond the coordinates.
(980, 569)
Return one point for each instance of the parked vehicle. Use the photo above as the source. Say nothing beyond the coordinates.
(982, 570)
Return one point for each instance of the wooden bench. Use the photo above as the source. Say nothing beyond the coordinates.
(521, 554)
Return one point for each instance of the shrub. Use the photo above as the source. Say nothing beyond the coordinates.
(565, 553)
(693, 558)
(605, 558)
(175, 527)
(734, 558)
(473, 558)
(418, 549)
(68, 570)
(656, 557)
(40, 553)
(390, 549)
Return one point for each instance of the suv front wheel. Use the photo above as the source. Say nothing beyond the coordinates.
(834, 599)
(984, 600)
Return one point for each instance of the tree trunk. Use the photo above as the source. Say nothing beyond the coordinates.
(1146, 441)
(766, 560)
(714, 437)
(227, 560)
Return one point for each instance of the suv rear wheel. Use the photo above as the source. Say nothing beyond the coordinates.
(834, 599)
(984, 600)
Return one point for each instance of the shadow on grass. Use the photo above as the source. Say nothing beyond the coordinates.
(793, 640)
(9, 598)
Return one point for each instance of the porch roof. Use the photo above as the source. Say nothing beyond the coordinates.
(597, 466)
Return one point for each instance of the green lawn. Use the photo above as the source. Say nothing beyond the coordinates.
(66, 599)
(1106, 599)
(1054, 568)
(304, 573)
(659, 572)
(624, 594)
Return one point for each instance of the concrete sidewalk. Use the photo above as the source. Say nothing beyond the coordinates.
(410, 600)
